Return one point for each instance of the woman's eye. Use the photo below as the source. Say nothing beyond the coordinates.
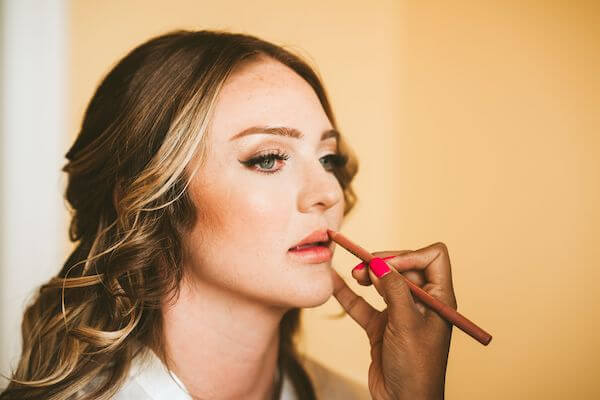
(333, 161)
(264, 163)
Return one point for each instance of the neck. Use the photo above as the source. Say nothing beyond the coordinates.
(220, 345)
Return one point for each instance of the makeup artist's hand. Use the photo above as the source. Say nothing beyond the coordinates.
(409, 342)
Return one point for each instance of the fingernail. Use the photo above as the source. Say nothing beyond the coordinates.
(358, 267)
(361, 265)
(379, 267)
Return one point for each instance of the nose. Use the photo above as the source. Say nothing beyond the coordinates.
(320, 189)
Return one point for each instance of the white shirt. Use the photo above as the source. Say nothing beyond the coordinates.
(149, 379)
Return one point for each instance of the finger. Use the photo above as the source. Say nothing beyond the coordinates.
(422, 308)
(395, 292)
(416, 277)
(361, 311)
(432, 317)
(387, 253)
(362, 275)
(384, 255)
(434, 262)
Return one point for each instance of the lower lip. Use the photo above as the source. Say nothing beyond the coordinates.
(313, 254)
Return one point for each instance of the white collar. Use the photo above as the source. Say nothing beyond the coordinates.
(153, 376)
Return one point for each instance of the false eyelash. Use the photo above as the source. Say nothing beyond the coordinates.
(258, 159)
(338, 160)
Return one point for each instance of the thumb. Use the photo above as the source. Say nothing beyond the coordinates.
(392, 286)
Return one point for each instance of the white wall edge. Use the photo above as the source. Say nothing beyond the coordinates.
(34, 91)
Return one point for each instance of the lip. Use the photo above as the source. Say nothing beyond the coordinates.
(319, 235)
(312, 255)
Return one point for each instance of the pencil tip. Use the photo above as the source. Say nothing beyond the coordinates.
(330, 233)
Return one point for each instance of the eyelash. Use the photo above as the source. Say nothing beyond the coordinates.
(337, 160)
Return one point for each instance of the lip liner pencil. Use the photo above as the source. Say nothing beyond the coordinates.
(445, 311)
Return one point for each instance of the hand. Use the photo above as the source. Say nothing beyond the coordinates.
(409, 341)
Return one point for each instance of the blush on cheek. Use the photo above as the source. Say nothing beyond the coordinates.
(262, 208)
(240, 212)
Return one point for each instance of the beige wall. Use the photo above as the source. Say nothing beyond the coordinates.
(477, 124)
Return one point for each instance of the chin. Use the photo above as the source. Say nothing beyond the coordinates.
(311, 292)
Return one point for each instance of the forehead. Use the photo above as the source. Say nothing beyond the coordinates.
(266, 92)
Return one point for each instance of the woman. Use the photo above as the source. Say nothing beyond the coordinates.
(204, 160)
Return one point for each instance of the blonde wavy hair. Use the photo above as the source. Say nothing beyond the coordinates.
(128, 171)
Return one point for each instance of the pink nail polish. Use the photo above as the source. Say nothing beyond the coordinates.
(361, 265)
(358, 267)
(379, 267)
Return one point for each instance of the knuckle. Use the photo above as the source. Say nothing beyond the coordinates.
(345, 293)
(353, 303)
(400, 256)
(454, 303)
(390, 253)
(441, 246)
(397, 284)
(405, 328)
(373, 330)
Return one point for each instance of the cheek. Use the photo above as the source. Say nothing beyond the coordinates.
(242, 224)
(260, 219)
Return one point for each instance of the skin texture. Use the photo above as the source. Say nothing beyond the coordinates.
(409, 342)
(221, 333)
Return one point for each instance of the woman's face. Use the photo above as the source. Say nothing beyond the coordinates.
(250, 215)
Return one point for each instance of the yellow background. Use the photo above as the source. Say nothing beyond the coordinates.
(476, 124)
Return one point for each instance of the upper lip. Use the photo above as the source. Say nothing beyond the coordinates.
(317, 236)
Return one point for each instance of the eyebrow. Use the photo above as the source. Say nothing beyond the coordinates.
(283, 131)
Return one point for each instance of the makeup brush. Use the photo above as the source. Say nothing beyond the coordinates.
(445, 311)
